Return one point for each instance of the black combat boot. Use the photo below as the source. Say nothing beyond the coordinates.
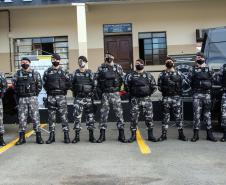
(195, 136)
(210, 136)
(102, 136)
(66, 137)
(164, 135)
(133, 136)
(22, 139)
(91, 137)
(77, 138)
(121, 136)
(151, 136)
(181, 135)
(51, 138)
(223, 139)
(2, 142)
(39, 139)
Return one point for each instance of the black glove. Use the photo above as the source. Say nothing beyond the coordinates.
(45, 102)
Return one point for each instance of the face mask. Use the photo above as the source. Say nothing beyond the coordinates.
(200, 62)
(55, 64)
(139, 67)
(109, 60)
(81, 63)
(25, 66)
(169, 65)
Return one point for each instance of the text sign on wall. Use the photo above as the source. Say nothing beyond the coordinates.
(118, 28)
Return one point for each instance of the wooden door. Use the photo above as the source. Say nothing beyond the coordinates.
(120, 46)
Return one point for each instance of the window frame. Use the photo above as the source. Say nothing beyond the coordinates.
(160, 55)
(16, 52)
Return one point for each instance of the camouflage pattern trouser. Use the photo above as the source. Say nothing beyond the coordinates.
(115, 100)
(57, 104)
(146, 104)
(28, 105)
(86, 105)
(1, 118)
(223, 110)
(174, 103)
(201, 105)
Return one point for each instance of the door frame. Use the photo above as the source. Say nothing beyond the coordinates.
(121, 34)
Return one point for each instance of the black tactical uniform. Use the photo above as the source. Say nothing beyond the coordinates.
(56, 83)
(201, 83)
(3, 87)
(28, 84)
(221, 78)
(170, 84)
(140, 87)
(109, 81)
(83, 85)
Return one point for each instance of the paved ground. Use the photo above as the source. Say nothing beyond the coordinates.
(170, 163)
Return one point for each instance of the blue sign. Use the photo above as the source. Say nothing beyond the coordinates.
(118, 28)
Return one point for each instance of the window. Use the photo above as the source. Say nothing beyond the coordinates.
(31, 47)
(153, 47)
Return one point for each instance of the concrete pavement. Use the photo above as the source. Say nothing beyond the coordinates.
(172, 162)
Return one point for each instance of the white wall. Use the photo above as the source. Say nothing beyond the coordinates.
(45, 22)
(179, 19)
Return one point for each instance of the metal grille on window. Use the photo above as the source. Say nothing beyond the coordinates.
(153, 47)
(44, 46)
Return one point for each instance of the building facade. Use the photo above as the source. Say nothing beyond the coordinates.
(148, 29)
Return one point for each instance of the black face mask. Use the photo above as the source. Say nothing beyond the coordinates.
(139, 67)
(81, 63)
(200, 62)
(109, 60)
(25, 66)
(55, 64)
(169, 65)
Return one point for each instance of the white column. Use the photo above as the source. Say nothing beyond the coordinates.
(82, 30)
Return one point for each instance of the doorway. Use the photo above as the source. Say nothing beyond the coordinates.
(120, 46)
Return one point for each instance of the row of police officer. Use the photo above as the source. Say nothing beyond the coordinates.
(108, 81)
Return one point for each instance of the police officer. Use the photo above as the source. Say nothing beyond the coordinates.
(3, 87)
(109, 80)
(170, 85)
(83, 85)
(221, 78)
(27, 84)
(56, 83)
(201, 83)
(141, 85)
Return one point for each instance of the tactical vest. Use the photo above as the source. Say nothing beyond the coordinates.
(171, 84)
(201, 80)
(110, 80)
(140, 85)
(26, 84)
(82, 83)
(1, 87)
(56, 82)
(224, 77)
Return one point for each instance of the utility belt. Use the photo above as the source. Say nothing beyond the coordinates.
(140, 96)
(27, 95)
(201, 91)
(83, 95)
(171, 94)
(111, 90)
(56, 92)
